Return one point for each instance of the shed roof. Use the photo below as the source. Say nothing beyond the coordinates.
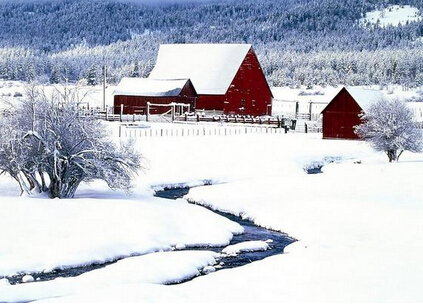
(150, 87)
(211, 67)
(363, 96)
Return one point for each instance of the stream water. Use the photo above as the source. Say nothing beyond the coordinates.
(251, 233)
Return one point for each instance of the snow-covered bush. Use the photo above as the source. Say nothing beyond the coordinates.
(46, 145)
(389, 127)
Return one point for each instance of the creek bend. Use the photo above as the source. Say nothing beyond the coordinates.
(277, 241)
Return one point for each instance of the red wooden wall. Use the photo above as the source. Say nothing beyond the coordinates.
(340, 116)
(248, 94)
(210, 102)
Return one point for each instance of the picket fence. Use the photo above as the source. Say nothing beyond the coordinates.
(128, 131)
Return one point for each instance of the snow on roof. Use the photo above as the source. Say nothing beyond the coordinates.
(211, 67)
(365, 97)
(150, 87)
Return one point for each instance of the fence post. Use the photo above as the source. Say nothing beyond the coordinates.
(147, 116)
(107, 112)
(173, 112)
(310, 110)
(305, 127)
(297, 108)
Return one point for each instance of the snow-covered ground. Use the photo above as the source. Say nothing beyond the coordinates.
(90, 96)
(392, 15)
(359, 226)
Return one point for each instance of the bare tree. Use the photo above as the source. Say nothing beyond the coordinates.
(47, 145)
(388, 126)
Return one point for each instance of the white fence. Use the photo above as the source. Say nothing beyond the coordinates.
(194, 131)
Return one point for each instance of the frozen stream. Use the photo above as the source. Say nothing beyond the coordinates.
(276, 243)
(251, 233)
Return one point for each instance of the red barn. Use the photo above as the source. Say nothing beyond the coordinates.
(342, 113)
(227, 77)
(134, 93)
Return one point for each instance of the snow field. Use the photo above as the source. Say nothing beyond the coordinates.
(359, 225)
(392, 15)
(359, 228)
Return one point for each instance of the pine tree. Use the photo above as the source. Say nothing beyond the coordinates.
(92, 76)
(31, 74)
(55, 76)
(136, 70)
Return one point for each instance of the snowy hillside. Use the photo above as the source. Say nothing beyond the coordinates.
(392, 15)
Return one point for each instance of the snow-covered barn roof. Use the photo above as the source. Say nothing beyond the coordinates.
(365, 97)
(150, 87)
(210, 67)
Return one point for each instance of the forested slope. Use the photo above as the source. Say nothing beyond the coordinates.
(298, 41)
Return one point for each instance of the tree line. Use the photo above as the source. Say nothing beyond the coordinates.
(297, 41)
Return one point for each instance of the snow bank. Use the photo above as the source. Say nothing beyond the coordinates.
(43, 234)
(155, 268)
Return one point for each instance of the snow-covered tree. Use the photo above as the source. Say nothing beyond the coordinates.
(388, 126)
(55, 77)
(92, 76)
(47, 145)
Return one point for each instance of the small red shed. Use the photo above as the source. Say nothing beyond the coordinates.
(342, 113)
(227, 77)
(134, 93)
